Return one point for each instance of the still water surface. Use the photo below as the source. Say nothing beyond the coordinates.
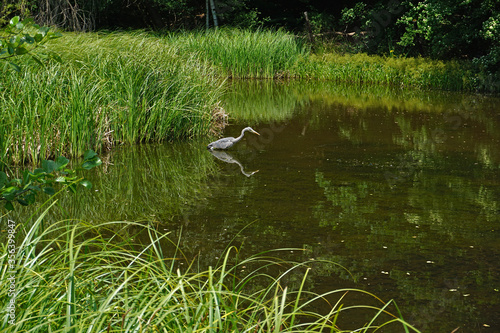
(402, 188)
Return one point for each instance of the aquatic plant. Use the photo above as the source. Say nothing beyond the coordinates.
(24, 190)
(110, 89)
(130, 87)
(73, 276)
(243, 53)
(396, 71)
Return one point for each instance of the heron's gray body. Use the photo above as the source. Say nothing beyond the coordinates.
(226, 143)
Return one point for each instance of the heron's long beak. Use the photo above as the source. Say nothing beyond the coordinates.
(256, 133)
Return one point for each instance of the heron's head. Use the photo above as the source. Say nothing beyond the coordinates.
(251, 130)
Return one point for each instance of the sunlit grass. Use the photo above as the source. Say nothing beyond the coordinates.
(394, 71)
(132, 87)
(78, 277)
(110, 89)
(241, 53)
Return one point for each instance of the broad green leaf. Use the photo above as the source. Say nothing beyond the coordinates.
(9, 206)
(43, 31)
(29, 39)
(34, 188)
(48, 166)
(89, 154)
(86, 184)
(14, 20)
(49, 190)
(38, 171)
(61, 162)
(22, 202)
(34, 57)
(60, 179)
(14, 66)
(92, 163)
(38, 38)
(10, 193)
(3, 179)
(28, 21)
(56, 57)
(20, 26)
(30, 198)
(20, 50)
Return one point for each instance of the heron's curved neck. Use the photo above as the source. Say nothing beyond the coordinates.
(241, 136)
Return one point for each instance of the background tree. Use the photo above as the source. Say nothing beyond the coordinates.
(440, 29)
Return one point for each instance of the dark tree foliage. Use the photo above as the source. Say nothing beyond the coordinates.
(440, 29)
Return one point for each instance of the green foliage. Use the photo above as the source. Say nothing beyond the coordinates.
(78, 276)
(354, 17)
(447, 29)
(11, 8)
(22, 37)
(362, 68)
(242, 53)
(321, 22)
(111, 89)
(24, 190)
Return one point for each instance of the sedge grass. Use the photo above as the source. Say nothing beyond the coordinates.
(394, 71)
(76, 277)
(140, 87)
(110, 89)
(240, 53)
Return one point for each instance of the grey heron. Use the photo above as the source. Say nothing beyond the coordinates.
(226, 143)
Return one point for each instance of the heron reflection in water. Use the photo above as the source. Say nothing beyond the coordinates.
(223, 156)
(226, 143)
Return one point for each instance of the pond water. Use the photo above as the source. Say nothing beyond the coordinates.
(400, 187)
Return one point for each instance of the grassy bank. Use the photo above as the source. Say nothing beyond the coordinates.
(134, 87)
(110, 89)
(394, 71)
(276, 54)
(242, 53)
(76, 277)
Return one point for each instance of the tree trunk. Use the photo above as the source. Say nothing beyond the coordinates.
(214, 14)
(309, 30)
(207, 18)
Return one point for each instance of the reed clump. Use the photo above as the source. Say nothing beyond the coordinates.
(130, 87)
(240, 53)
(395, 71)
(78, 277)
(110, 89)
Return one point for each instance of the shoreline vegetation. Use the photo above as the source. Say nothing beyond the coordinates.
(117, 277)
(131, 87)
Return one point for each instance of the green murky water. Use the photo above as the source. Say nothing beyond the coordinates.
(402, 188)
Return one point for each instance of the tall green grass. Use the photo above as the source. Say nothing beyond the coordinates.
(134, 87)
(111, 88)
(277, 54)
(78, 277)
(395, 71)
(242, 53)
